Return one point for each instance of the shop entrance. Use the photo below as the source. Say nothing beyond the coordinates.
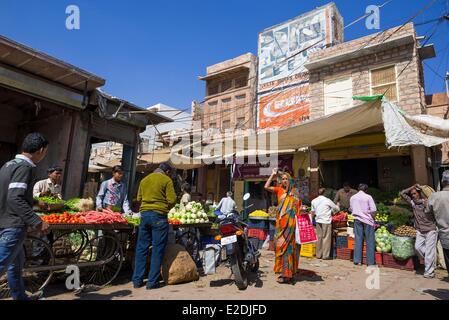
(260, 198)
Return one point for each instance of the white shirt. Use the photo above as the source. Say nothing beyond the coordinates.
(226, 205)
(323, 208)
(46, 185)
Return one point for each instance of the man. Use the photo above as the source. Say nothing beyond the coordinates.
(426, 233)
(438, 206)
(343, 196)
(113, 193)
(50, 186)
(157, 196)
(227, 205)
(363, 209)
(16, 211)
(322, 209)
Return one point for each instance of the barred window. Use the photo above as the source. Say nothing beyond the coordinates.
(383, 80)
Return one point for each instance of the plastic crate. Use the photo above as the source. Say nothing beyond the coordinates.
(351, 243)
(258, 224)
(207, 239)
(308, 250)
(345, 254)
(341, 242)
(258, 233)
(378, 258)
(390, 262)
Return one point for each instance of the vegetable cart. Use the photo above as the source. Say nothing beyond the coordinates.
(189, 236)
(96, 249)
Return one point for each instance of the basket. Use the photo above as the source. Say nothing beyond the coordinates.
(378, 258)
(308, 250)
(257, 233)
(258, 224)
(390, 262)
(341, 242)
(345, 254)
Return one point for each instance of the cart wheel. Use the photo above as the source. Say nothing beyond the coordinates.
(191, 243)
(105, 249)
(37, 254)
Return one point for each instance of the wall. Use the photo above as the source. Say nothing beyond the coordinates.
(394, 173)
(409, 85)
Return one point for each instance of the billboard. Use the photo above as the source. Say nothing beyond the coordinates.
(283, 50)
(284, 108)
(283, 80)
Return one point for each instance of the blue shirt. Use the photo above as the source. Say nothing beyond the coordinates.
(113, 193)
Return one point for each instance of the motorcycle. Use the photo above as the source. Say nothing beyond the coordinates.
(243, 255)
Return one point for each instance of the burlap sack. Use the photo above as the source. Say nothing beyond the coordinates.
(178, 266)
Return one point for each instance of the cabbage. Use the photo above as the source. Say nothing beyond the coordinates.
(188, 207)
(193, 216)
(197, 220)
(379, 249)
(183, 220)
(202, 220)
(172, 211)
(170, 215)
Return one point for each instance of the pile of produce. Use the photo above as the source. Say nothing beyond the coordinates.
(350, 218)
(134, 220)
(49, 200)
(105, 217)
(71, 204)
(174, 221)
(341, 216)
(405, 231)
(63, 218)
(383, 213)
(259, 213)
(402, 247)
(211, 212)
(192, 213)
(383, 240)
(382, 196)
(399, 216)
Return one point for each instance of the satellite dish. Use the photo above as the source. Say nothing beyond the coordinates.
(246, 196)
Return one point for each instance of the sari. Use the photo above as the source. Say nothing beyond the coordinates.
(286, 248)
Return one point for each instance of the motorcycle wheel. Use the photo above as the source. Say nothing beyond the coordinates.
(255, 267)
(240, 276)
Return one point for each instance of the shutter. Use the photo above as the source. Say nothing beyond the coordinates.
(337, 95)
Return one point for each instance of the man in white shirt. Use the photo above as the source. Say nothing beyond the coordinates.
(322, 210)
(50, 186)
(227, 205)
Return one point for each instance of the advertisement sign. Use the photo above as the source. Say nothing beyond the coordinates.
(247, 171)
(280, 48)
(284, 108)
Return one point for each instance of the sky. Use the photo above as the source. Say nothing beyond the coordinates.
(153, 51)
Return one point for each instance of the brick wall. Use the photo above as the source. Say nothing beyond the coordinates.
(409, 86)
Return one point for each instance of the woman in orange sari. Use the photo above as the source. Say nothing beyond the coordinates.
(286, 248)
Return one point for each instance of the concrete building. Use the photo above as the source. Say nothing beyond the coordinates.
(230, 94)
(389, 62)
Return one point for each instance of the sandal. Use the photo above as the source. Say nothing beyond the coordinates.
(282, 279)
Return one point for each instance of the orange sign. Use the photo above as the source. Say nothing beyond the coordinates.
(285, 108)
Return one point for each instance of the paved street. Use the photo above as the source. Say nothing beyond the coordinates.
(335, 279)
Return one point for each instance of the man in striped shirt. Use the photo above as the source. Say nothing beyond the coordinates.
(16, 210)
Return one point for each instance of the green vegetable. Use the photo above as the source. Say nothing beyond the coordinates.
(71, 204)
(49, 200)
(403, 247)
(133, 220)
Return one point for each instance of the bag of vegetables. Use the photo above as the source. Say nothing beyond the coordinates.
(402, 247)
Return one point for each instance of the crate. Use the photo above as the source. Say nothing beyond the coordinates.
(258, 224)
(339, 224)
(308, 250)
(351, 243)
(257, 233)
(345, 254)
(390, 262)
(341, 242)
(208, 239)
(378, 258)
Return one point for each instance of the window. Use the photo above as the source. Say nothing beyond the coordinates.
(226, 102)
(240, 123)
(241, 82)
(212, 112)
(213, 125)
(337, 95)
(212, 89)
(226, 85)
(383, 80)
(240, 99)
(226, 124)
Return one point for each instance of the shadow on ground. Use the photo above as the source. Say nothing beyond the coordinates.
(441, 294)
(308, 275)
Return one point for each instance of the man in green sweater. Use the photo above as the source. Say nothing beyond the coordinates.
(156, 196)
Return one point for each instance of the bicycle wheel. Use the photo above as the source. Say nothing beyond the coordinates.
(37, 254)
(190, 241)
(108, 253)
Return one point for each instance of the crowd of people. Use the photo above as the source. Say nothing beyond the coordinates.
(156, 194)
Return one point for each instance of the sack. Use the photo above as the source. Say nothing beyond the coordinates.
(178, 266)
(402, 247)
(305, 233)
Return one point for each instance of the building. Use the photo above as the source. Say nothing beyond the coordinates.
(388, 62)
(182, 121)
(283, 81)
(230, 94)
(41, 93)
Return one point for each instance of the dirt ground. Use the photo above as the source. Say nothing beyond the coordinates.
(333, 279)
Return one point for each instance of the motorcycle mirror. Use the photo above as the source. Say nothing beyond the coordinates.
(246, 196)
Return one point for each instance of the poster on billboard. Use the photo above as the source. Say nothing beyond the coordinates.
(283, 50)
(285, 108)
